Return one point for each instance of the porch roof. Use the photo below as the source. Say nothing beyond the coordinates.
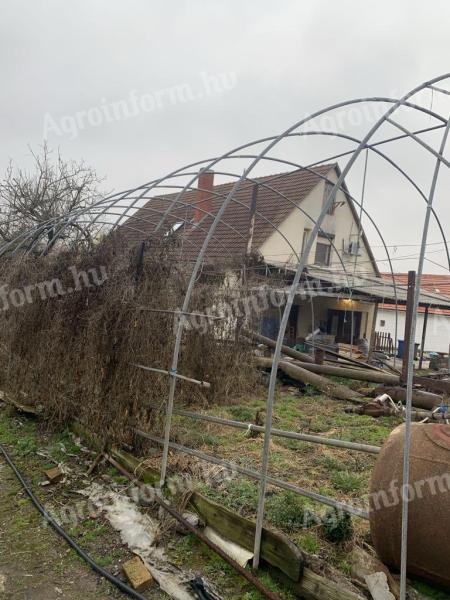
(375, 289)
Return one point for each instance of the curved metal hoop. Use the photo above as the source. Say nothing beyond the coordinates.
(112, 212)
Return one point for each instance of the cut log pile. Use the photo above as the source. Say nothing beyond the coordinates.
(304, 375)
(428, 394)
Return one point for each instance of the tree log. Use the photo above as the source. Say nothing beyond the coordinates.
(335, 390)
(420, 398)
(284, 349)
(307, 362)
(434, 385)
(349, 373)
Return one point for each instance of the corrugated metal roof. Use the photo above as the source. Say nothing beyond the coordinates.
(377, 288)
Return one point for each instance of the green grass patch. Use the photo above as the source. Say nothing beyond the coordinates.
(286, 511)
(345, 481)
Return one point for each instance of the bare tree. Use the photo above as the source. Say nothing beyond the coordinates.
(41, 199)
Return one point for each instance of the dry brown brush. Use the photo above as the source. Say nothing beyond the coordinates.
(68, 346)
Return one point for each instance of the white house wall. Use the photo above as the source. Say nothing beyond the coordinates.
(341, 224)
(438, 329)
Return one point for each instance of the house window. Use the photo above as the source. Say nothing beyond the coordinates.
(323, 252)
(306, 233)
(327, 191)
(382, 322)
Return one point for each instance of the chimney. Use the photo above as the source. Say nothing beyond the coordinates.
(204, 202)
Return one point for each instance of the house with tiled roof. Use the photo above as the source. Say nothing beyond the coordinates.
(271, 218)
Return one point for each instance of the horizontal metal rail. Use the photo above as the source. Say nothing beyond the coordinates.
(292, 435)
(357, 512)
(204, 384)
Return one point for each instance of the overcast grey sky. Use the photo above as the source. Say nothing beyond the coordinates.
(279, 61)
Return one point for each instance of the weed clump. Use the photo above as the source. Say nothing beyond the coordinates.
(337, 526)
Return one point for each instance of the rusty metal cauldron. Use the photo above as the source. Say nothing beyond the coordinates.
(429, 501)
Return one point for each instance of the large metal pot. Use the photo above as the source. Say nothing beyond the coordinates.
(429, 501)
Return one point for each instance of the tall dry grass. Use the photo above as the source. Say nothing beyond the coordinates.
(72, 353)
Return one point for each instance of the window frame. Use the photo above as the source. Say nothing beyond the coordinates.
(324, 244)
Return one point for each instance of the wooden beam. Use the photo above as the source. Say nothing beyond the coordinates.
(424, 333)
(313, 586)
(276, 549)
(372, 330)
(408, 323)
(420, 398)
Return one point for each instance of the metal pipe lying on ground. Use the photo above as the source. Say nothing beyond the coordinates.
(335, 390)
(357, 512)
(293, 435)
(176, 515)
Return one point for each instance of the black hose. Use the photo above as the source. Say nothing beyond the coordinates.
(96, 567)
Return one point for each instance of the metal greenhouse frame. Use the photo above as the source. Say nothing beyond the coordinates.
(113, 211)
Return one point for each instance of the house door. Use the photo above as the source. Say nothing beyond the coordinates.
(270, 325)
(340, 325)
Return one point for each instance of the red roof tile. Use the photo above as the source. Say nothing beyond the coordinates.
(277, 196)
(440, 284)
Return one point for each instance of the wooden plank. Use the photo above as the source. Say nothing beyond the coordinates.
(276, 548)
(135, 466)
(313, 586)
(408, 323)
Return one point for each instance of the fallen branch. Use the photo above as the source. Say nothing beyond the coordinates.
(335, 390)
